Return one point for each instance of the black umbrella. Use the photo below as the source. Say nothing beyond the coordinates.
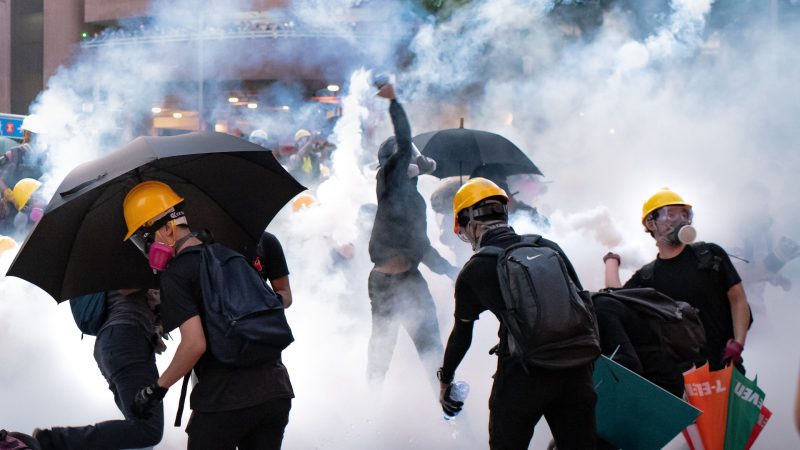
(232, 187)
(462, 151)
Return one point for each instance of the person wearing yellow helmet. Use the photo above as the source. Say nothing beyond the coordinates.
(521, 393)
(700, 274)
(21, 207)
(251, 403)
(399, 295)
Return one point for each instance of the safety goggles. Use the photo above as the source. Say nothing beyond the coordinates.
(672, 214)
(146, 235)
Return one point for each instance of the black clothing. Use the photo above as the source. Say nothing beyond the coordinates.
(269, 257)
(705, 289)
(519, 398)
(219, 387)
(258, 427)
(125, 356)
(25, 162)
(129, 310)
(402, 299)
(400, 222)
(639, 346)
(566, 399)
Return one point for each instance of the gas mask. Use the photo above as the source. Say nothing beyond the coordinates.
(158, 254)
(679, 219)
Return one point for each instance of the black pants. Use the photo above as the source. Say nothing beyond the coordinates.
(124, 354)
(255, 428)
(565, 398)
(402, 299)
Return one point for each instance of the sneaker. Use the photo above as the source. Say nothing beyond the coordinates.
(44, 438)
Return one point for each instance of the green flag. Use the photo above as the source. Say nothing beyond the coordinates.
(744, 406)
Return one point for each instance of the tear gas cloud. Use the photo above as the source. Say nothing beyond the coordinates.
(691, 94)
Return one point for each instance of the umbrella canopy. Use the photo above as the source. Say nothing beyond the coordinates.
(462, 151)
(232, 187)
(633, 413)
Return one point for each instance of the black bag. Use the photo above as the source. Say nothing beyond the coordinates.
(244, 319)
(550, 323)
(17, 441)
(677, 324)
(89, 312)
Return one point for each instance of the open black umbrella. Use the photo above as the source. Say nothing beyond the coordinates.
(232, 187)
(463, 151)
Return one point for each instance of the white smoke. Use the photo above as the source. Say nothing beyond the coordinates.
(610, 112)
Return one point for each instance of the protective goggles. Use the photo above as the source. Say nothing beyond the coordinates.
(672, 214)
(488, 211)
(146, 235)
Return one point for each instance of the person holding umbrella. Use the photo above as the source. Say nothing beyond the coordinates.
(398, 293)
(244, 407)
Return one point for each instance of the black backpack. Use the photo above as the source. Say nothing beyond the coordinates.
(243, 318)
(550, 323)
(89, 312)
(677, 324)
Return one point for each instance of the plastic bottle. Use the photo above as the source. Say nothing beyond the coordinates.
(458, 392)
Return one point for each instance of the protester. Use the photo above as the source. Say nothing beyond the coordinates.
(244, 407)
(259, 137)
(700, 274)
(26, 160)
(516, 207)
(521, 393)
(125, 350)
(270, 263)
(21, 207)
(307, 163)
(442, 204)
(398, 243)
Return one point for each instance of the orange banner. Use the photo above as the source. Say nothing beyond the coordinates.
(708, 392)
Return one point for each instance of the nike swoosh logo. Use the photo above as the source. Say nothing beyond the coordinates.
(532, 257)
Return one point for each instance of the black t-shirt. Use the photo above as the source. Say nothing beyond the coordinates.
(270, 257)
(219, 387)
(131, 309)
(705, 289)
(478, 286)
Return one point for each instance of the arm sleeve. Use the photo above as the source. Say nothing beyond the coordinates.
(611, 317)
(457, 345)
(272, 257)
(397, 164)
(437, 263)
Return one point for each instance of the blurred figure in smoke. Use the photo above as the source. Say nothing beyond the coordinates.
(21, 208)
(765, 257)
(125, 350)
(515, 205)
(399, 294)
(442, 204)
(521, 394)
(26, 160)
(700, 274)
(306, 164)
(259, 137)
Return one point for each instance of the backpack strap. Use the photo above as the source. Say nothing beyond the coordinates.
(706, 260)
(182, 400)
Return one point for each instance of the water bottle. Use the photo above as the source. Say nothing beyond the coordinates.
(458, 392)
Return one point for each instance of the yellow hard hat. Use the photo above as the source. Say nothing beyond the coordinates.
(23, 191)
(473, 191)
(301, 133)
(6, 243)
(303, 200)
(145, 202)
(664, 197)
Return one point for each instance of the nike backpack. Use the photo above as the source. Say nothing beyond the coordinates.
(550, 323)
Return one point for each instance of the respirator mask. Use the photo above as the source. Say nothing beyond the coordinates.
(679, 218)
(158, 254)
(27, 215)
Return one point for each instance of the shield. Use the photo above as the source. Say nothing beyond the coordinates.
(633, 413)
(232, 188)
(463, 151)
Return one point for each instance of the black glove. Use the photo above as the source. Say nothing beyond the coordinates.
(449, 406)
(146, 399)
